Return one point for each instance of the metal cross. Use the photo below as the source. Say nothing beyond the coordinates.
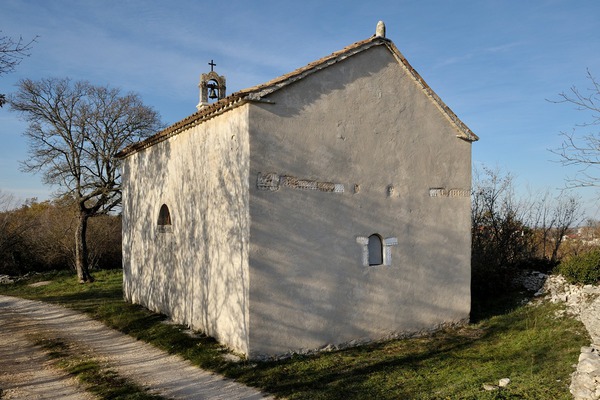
(212, 65)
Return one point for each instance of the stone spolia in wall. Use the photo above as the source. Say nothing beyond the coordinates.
(272, 182)
(443, 192)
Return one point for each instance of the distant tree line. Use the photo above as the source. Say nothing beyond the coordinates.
(511, 234)
(38, 236)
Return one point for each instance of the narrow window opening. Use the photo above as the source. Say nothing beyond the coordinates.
(164, 218)
(375, 247)
(375, 250)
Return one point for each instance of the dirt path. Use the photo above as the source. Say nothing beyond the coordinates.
(25, 372)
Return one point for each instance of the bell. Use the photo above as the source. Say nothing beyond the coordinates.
(212, 94)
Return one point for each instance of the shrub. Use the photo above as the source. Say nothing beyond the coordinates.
(583, 268)
(39, 236)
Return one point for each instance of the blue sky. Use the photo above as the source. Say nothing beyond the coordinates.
(495, 63)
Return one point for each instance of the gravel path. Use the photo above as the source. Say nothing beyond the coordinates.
(26, 373)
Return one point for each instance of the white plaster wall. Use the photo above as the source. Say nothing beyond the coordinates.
(198, 272)
(362, 121)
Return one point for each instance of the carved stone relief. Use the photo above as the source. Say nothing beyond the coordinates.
(443, 192)
(272, 181)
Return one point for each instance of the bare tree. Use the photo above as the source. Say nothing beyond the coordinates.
(552, 218)
(567, 213)
(74, 131)
(581, 147)
(498, 218)
(500, 239)
(12, 53)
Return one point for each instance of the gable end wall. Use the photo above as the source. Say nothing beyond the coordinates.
(367, 125)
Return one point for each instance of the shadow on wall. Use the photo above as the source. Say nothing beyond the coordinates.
(220, 289)
(309, 287)
(143, 250)
(196, 271)
(333, 298)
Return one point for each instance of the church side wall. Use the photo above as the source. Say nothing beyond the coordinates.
(196, 269)
(367, 126)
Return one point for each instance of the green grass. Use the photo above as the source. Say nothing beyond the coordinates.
(527, 344)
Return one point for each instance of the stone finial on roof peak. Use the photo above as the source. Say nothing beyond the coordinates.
(380, 30)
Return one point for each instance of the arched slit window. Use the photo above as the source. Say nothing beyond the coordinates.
(164, 218)
(376, 250)
(375, 246)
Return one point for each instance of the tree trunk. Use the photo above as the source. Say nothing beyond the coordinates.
(81, 251)
(557, 244)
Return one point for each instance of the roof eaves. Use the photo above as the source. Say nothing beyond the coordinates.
(197, 118)
(256, 93)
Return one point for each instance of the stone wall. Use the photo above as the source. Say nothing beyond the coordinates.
(583, 302)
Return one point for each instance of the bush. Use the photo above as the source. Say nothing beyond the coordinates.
(544, 265)
(584, 268)
(40, 236)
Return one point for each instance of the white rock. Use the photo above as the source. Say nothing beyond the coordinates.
(329, 347)
(587, 349)
(590, 289)
(584, 380)
(581, 393)
(584, 304)
(589, 356)
(586, 366)
(504, 382)
(564, 298)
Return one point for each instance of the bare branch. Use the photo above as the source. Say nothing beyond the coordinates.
(12, 52)
(581, 147)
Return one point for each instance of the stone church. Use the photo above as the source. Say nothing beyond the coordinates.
(327, 206)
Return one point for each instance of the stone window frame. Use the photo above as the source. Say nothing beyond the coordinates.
(386, 244)
(164, 222)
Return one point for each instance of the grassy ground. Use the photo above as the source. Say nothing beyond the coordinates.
(527, 344)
